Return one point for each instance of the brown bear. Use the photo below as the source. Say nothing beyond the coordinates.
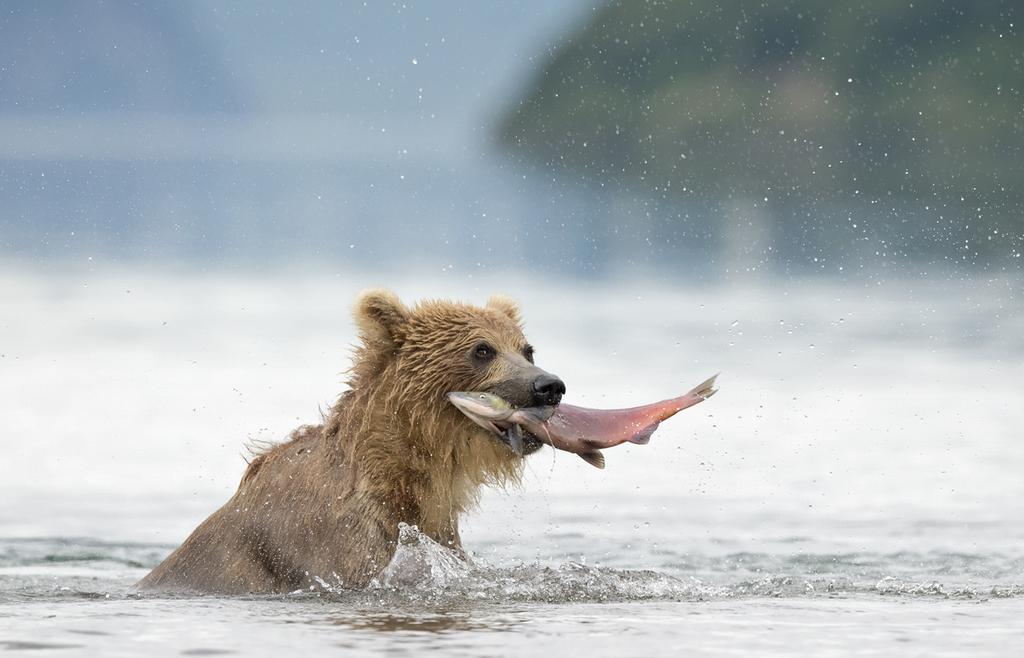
(326, 504)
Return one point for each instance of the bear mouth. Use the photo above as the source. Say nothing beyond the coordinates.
(514, 436)
(502, 420)
(519, 440)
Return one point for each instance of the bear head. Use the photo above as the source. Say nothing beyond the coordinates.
(414, 356)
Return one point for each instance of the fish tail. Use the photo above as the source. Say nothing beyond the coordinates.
(706, 388)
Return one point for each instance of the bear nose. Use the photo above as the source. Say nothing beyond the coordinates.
(548, 389)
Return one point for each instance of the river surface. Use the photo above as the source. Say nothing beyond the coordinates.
(855, 487)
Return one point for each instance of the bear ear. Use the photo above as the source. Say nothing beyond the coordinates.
(381, 316)
(505, 305)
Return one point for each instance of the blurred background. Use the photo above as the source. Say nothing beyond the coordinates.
(574, 137)
(821, 200)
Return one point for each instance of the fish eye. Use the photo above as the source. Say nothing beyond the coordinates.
(484, 352)
(528, 353)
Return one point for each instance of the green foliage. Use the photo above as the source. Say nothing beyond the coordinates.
(861, 102)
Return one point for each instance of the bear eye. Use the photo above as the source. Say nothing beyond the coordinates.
(528, 353)
(484, 352)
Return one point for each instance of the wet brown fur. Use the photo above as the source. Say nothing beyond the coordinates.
(326, 504)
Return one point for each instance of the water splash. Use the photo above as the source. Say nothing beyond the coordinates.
(423, 564)
(423, 569)
(425, 572)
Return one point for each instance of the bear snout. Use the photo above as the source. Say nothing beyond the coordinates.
(547, 390)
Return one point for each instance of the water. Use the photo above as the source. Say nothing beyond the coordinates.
(854, 488)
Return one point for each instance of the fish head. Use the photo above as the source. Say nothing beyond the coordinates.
(507, 423)
(485, 409)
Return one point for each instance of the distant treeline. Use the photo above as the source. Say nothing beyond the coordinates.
(853, 104)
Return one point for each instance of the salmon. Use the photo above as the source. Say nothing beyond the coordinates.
(579, 430)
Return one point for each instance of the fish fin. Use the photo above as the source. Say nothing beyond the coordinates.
(706, 388)
(595, 458)
(514, 436)
(642, 437)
